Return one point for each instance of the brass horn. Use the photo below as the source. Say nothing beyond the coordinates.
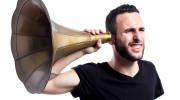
(37, 43)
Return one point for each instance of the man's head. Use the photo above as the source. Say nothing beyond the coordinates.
(127, 30)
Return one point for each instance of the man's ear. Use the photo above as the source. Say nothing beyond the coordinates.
(112, 41)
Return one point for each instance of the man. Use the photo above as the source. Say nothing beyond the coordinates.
(124, 77)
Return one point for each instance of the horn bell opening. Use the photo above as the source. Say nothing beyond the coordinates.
(31, 44)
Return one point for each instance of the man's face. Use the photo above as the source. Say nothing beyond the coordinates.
(130, 37)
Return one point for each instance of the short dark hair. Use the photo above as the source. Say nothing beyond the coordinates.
(111, 17)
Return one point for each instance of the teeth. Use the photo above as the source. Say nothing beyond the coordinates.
(136, 46)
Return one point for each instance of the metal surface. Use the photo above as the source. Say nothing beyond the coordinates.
(67, 41)
(37, 42)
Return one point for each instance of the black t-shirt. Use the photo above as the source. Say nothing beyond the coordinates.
(101, 82)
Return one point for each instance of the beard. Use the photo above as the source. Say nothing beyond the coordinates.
(123, 51)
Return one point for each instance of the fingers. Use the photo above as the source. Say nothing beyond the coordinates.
(89, 50)
(100, 30)
(94, 31)
(99, 44)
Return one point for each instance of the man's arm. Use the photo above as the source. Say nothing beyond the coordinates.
(67, 81)
(63, 83)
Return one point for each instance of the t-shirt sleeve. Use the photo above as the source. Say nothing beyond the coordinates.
(158, 88)
(85, 87)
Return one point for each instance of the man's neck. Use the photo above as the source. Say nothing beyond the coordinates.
(124, 66)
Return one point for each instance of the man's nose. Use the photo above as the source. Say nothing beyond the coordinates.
(136, 36)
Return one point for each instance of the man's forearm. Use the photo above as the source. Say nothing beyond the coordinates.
(65, 61)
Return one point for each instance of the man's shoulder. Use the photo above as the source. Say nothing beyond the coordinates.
(91, 71)
(147, 65)
(145, 62)
(90, 66)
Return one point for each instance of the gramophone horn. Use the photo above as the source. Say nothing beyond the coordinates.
(37, 43)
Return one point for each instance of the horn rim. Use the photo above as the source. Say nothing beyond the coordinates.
(33, 83)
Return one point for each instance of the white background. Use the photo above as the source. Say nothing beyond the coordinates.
(162, 23)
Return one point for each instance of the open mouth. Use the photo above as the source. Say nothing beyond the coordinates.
(136, 46)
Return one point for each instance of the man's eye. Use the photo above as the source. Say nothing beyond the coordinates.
(129, 30)
(142, 29)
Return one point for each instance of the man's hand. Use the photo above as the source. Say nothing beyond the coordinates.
(92, 49)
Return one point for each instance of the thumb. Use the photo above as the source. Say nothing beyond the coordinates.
(98, 44)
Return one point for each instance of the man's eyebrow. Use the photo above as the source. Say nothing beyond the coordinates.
(133, 29)
(129, 30)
